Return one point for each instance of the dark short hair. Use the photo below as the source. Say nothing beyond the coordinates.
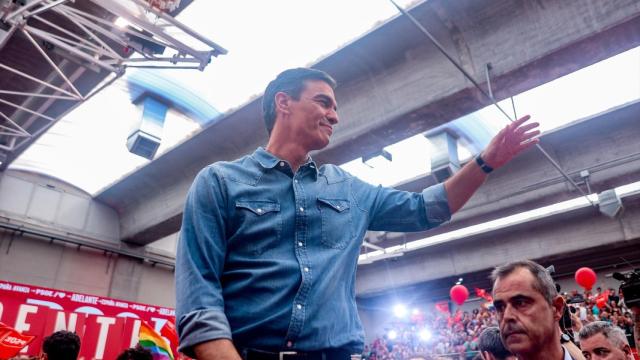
(290, 82)
(136, 353)
(490, 341)
(543, 282)
(62, 345)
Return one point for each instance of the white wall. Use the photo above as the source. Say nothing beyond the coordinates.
(49, 204)
(36, 261)
(46, 205)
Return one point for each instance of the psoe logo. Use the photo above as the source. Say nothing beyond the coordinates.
(12, 340)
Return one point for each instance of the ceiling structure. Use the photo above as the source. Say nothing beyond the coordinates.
(393, 84)
(56, 54)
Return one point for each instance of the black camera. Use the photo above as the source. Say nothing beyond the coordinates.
(630, 286)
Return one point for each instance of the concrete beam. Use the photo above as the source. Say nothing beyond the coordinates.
(393, 85)
(606, 145)
(558, 237)
(414, 88)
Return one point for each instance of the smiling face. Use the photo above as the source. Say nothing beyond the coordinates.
(308, 120)
(528, 323)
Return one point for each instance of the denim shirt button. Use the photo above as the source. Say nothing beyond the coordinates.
(301, 209)
(281, 163)
(306, 269)
(299, 307)
(299, 243)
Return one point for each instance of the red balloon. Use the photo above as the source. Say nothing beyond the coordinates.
(586, 277)
(459, 294)
(601, 303)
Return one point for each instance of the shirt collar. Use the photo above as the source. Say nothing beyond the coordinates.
(312, 164)
(265, 158)
(269, 161)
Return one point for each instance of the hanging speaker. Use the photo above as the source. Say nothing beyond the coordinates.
(610, 203)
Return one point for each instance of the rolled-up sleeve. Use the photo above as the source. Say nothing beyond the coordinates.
(436, 204)
(200, 258)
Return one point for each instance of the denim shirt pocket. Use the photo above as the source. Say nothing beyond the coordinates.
(260, 224)
(337, 224)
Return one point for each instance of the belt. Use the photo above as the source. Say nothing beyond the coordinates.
(328, 354)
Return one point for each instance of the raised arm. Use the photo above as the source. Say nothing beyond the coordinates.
(507, 144)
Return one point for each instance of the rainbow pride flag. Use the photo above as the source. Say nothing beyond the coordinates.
(149, 339)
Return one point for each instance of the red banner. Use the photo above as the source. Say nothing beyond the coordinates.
(106, 326)
(11, 342)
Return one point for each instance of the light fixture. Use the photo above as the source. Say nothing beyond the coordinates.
(425, 335)
(389, 253)
(400, 310)
(122, 22)
(511, 220)
(610, 204)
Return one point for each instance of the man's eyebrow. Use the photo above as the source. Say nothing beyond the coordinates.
(328, 98)
(520, 297)
(514, 297)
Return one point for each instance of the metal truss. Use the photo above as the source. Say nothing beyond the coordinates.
(139, 36)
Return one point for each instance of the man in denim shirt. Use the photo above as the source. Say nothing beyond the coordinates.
(269, 244)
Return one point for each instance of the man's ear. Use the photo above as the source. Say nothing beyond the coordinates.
(282, 102)
(627, 351)
(558, 307)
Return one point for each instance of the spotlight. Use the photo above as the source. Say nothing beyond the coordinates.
(392, 334)
(122, 23)
(415, 311)
(400, 310)
(425, 335)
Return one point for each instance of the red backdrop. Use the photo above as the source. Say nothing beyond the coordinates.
(106, 326)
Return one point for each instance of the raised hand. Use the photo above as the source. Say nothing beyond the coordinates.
(510, 141)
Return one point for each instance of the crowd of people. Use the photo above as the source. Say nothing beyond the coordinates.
(449, 335)
(426, 335)
(65, 345)
(457, 336)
